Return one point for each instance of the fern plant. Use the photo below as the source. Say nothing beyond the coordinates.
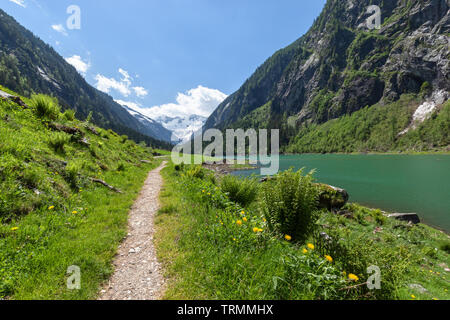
(289, 204)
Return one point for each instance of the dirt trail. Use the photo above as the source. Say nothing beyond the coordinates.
(138, 273)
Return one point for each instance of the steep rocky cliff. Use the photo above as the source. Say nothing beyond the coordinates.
(341, 66)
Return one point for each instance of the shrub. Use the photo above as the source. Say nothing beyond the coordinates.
(45, 106)
(241, 191)
(289, 204)
(196, 172)
(58, 140)
(71, 173)
(69, 115)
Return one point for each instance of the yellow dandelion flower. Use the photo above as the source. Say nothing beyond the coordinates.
(245, 219)
(234, 239)
(242, 212)
(304, 251)
(435, 299)
(51, 207)
(74, 212)
(14, 229)
(353, 277)
(311, 246)
(239, 222)
(203, 191)
(413, 296)
(288, 238)
(329, 258)
(256, 230)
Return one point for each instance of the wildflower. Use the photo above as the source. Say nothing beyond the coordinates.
(304, 251)
(264, 220)
(242, 212)
(256, 230)
(329, 258)
(311, 246)
(51, 207)
(435, 299)
(239, 222)
(288, 238)
(234, 239)
(245, 219)
(353, 277)
(14, 229)
(203, 191)
(413, 296)
(74, 212)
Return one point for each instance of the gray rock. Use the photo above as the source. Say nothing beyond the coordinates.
(418, 288)
(332, 198)
(408, 217)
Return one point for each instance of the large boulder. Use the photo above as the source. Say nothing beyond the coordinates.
(332, 198)
(408, 217)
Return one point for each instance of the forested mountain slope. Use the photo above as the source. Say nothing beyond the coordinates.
(28, 65)
(340, 66)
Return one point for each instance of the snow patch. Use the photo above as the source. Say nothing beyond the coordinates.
(426, 109)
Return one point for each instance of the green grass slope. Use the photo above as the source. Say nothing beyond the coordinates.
(52, 214)
(377, 129)
(215, 248)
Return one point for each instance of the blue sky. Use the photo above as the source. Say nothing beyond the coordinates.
(172, 56)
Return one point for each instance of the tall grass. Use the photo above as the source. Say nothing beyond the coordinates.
(241, 191)
(46, 107)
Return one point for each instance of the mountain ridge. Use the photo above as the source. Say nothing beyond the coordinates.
(340, 66)
(28, 65)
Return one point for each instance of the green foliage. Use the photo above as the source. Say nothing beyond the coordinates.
(289, 203)
(309, 276)
(196, 172)
(69, 115)
(46, 107)
(72, 171)
(57, 140)
(241, 191)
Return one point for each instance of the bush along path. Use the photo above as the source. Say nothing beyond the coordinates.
(137, 273)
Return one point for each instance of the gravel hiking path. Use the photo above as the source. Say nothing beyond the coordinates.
(137, 274)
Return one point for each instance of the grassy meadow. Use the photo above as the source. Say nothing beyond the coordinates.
(52, 214)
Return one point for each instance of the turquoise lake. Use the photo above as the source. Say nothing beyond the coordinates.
(395, 183)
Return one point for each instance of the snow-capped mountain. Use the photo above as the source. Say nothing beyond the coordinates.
(154, 128)
(182, 127)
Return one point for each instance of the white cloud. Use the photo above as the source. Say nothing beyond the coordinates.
(199, 101)
(59, 28)
(106, 84)
(126, 77)
(123, 85)
(81, 66)
(19, 2)
(140, 92)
